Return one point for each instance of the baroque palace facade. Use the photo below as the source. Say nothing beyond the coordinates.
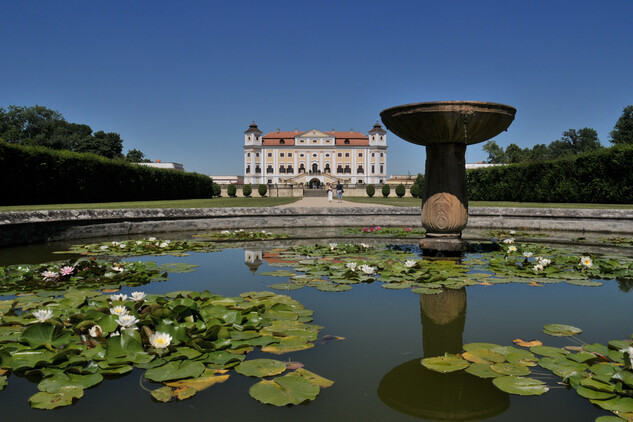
(315, 157)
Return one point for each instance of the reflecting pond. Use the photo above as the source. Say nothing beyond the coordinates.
(375, 365)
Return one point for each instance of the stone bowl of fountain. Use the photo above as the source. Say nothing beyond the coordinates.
(445, 128)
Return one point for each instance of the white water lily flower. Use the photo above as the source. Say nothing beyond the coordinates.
(332, 246)
(367, 269)
(512, 248)
(151, 239)
(43, 315)
(114, 334)
(118, 297)
(509, 241)
(136, 296)
(104, 247)
(629, 350)
(544, 262)
(512, 232)
(409, 264)
(127, 321)
(225, 232)
(164, 245)
(538, 267)
(122, 245)
(139, 242)
(95, 331)
(351, 266)
(115, 243)
(49, 274)
(117, 269)
(365, 245)
(160, 340)
(527, 254)
(119, 310)
(586, 261)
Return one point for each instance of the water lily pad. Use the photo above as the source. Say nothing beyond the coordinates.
(616, 404)
(482, 370)
(520, 385)
(286, 286)
(510, 369)
(333, 287)
(63, 397)
(444, 364)
(548, 351)
(55, 383)
(260, 367)
(314, 378)
(561, 330)
(175, 370)
(279, 273)
(282, 391)
(593, 394)
(206, 380)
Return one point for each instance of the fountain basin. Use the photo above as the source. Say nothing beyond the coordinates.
(441, 122)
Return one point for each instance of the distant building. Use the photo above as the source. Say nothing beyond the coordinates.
(480, 165)
(407, 179)
(160, 165)
(228, 180)
(315, 157)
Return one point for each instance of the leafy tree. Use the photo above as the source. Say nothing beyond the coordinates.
(515, 154)
(386, 190)
(622, 132)
(496, 154)
(247, 190)
(217, 190)
(400, 190)
(419, 180)
(136, 156)
(582, 140)
(371, 190)
(107, 145)
(231, 190)
(262, 189)
(415, 190)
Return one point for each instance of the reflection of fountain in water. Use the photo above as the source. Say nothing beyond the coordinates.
(412, 389)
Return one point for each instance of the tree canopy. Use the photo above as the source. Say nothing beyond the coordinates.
(573, 142)
(41, 126)
(622, 132)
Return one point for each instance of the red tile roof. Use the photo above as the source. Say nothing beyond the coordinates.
(274, 138)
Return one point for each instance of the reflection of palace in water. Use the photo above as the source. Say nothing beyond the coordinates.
(252, 259)
(412, 389)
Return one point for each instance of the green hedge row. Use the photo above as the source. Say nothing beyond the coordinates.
(36, 175)
(605, 176)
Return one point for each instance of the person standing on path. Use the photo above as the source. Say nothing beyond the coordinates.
(329, 192)
(339, 192)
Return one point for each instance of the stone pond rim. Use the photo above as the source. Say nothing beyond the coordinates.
(440, 122)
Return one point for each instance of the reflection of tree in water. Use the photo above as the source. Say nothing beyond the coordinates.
(412, 389)
(625, 284)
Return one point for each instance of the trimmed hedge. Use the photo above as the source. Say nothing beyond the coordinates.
(604, 176)
(231, 190)
(262, 190)
(371, 190)
(386, 190)
(400, 190)
(37, 175)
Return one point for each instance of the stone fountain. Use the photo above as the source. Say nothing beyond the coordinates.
(445, 128)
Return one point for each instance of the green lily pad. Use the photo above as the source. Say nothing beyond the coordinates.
(510, 369)
(548, 351)
(520, 385)
(314, 378)
(260, 368)
(279, 273)
(444, 364)
(616, 404)
(44, 333)
(163, 394)
(482, 370)
(561, 330)
(56, 382)
(286, 286)
(175, 370)
(63, 397)
(282, 391)
(333, 287)
(593, 394)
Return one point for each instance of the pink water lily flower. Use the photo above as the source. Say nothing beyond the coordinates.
(66, 270)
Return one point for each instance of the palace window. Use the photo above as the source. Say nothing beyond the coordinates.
(248, 154)
(290, 154)
(281, 154)
(360, 170)
(339, 169)
(381, 154)
(347, 154)
(269, 169)
(314, 155)
(327, 155)
(282, 169)
(340, 154)
(258, 170)
(360, 154)
(327, 168)
(373, 169)
(373, 155)
(248, 169)
(257, 154)
(270, 154)
(348, 170)
(289, 170)
(302, 168)
(301, 155)
(381, 168)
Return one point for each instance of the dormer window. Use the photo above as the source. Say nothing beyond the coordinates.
(346, 142)
(282, 141)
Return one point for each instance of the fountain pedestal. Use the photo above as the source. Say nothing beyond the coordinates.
(445, 129)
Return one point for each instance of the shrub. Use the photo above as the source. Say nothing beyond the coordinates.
(400, 190)
(386, 190)
(38, 175)
(371, 190)
(231, 190)
(415, 190)
(217, 190)
(247, 190)
(262, 189)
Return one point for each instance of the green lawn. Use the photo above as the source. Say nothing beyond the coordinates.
(183, 203)
(416, 202)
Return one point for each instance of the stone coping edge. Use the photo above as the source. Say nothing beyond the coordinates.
(47, 216)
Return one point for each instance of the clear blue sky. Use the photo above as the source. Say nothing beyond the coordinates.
(181, 81)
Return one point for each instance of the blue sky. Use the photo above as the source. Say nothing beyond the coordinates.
(181, 81)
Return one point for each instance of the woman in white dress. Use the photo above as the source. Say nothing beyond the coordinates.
(329, 193)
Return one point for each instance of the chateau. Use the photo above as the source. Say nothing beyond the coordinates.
(315, 157)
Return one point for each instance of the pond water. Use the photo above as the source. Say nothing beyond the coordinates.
(376, 367)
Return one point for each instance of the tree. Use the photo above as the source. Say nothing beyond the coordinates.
(386, 190)
(515, 154)
(415, 190)
(231, 190)
(136, 156)
(496, 154)
(622, 132)
(371, 190)
(400, 190)
(217, 189)
(262, 189)
(247, 190)
(107, 145)
(582, 140)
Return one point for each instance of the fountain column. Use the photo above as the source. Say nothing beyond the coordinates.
(445, 128)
